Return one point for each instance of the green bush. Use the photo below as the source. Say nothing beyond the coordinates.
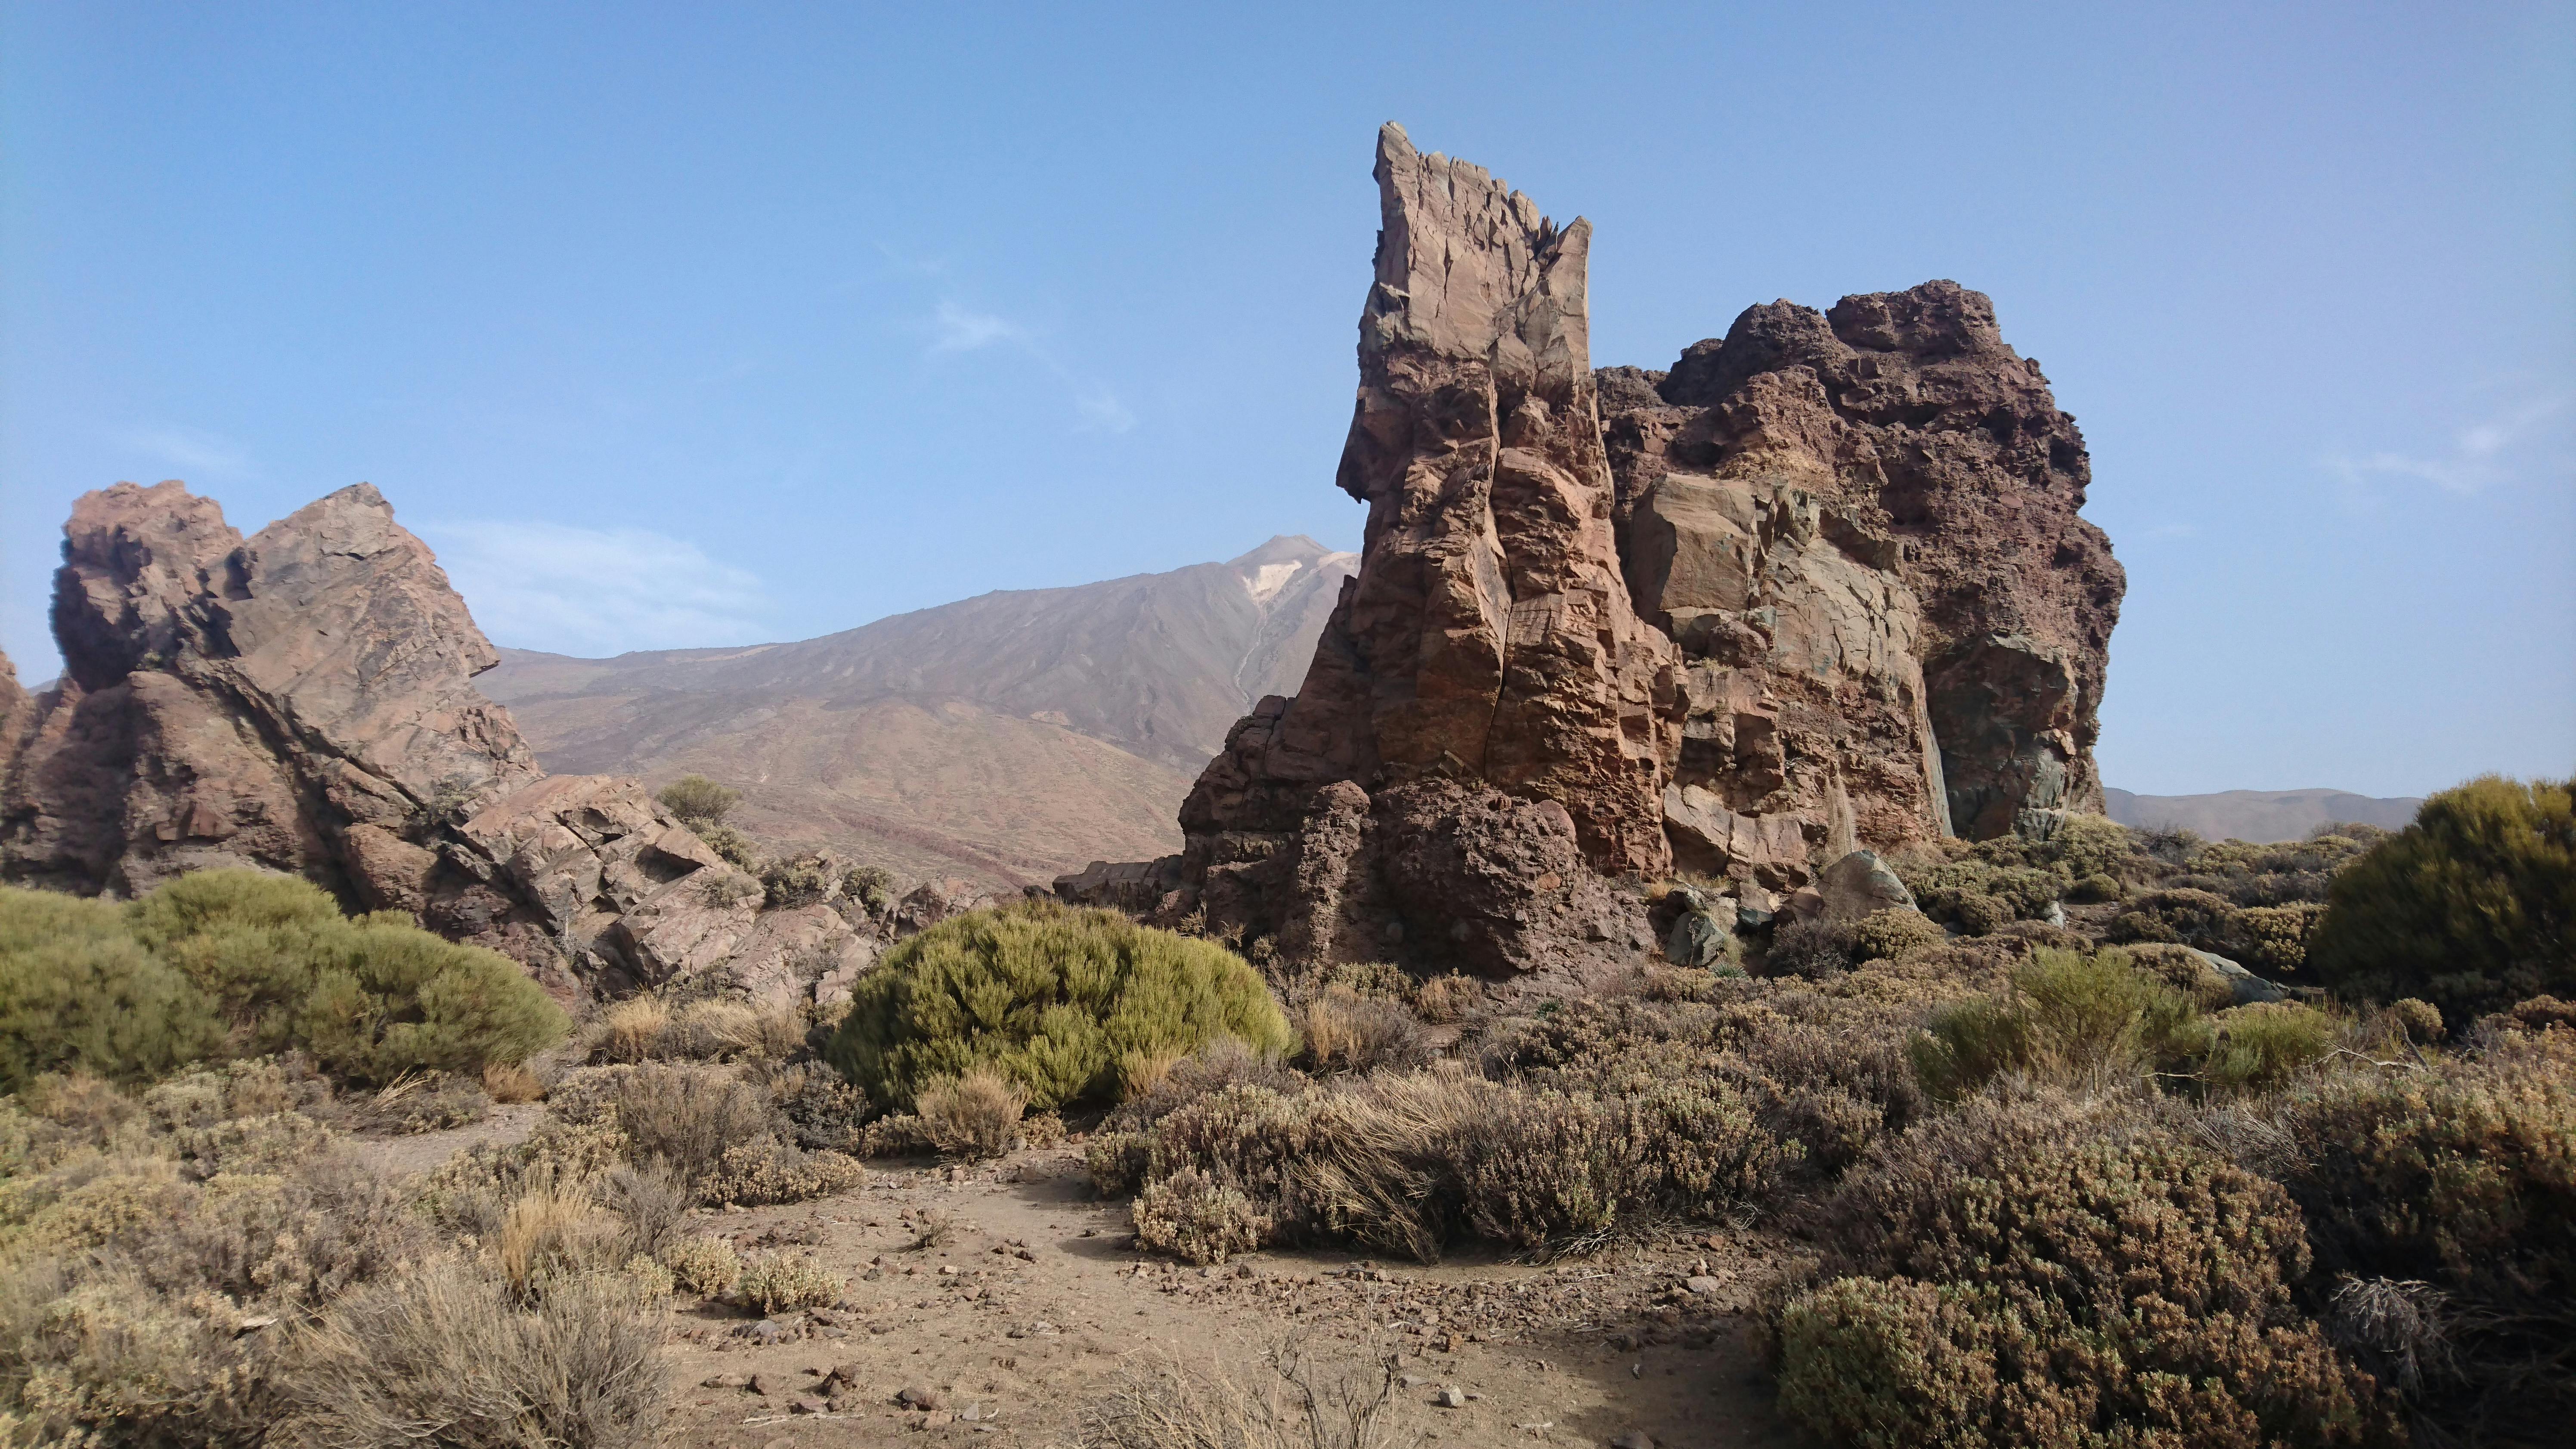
(700, 803)
(248, 962)
(2065, 1018)
(2033, 1270)
(1056, 999)
(2260, 1047)
(79, 993)
(2471, 908)
(370, 997)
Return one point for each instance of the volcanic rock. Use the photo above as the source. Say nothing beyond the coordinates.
(1861, 528)
(301, 701)
(1483, 733)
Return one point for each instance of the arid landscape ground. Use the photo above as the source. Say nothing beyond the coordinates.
(1638, 957)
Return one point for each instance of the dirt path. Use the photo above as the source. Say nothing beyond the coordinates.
(1033, 1304)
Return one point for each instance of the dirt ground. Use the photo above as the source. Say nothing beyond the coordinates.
(1034, 1300)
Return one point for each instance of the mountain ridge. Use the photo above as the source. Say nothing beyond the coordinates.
(1005, 736)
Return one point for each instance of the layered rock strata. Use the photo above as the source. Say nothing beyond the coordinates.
(301, 701)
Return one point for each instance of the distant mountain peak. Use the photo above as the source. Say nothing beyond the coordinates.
(1282, 548)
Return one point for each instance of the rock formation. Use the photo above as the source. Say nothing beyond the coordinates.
(301, 701)
(1861, 528)
(1822, 585)
(1482, 735)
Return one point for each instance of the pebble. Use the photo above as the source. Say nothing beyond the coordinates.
(1704, 1286)
(807, 1404)
(724, 1381)
(766, 1385)
(1450, 1397)
(920, 1396)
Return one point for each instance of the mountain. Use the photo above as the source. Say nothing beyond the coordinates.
(1006, 737)
(2259, 815)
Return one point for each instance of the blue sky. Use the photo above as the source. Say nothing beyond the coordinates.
(700, 324)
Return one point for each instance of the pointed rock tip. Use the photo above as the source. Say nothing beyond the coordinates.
(1392, 140)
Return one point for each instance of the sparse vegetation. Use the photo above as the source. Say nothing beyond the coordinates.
(1057, 1000)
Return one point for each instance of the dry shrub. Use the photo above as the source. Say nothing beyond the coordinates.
(1222, 1063)
(689, 1119)
(1444, 999)
(1301, 1400)
(972, 1115)
(103, 1359)
(1411, 1162)
(554, 1232)
(1815, 950)
(822, 1109)
(771, 1281)
(1193, 1216)
(425, 1102)
(756, 1174)
(651, 1202)
(2463, 1177)
(632, 1030)
(446, 1357)
(2040, 1269)
(511, 1082)
(1891, 935)
(1341, 1030)
(707, 1267)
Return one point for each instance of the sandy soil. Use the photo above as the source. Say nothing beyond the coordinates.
(1035, 1300)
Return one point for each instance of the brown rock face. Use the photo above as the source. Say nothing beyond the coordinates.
(301, 701)
(1861, 527)
(1484, 705)
(1823, 585)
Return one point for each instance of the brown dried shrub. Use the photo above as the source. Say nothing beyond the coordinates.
(2034, 1268)
(974, 1115)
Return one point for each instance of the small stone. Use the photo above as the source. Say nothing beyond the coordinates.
(724, 1381)
(1704, 1286)
(1450, 1396)
(766, 1385)
(807, 1404)
(920, 1396)
(1634, 1439)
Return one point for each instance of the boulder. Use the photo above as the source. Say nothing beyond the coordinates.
(2247, 988)
(934, 901)
(1858, 885)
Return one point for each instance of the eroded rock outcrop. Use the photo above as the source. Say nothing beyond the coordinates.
(1861, 527)
(1483, 733)
(1820, 587)
(301, 701)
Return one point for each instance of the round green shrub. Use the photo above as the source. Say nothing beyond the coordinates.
(1054, 998)
(370, 998)
(1892, 935)
(78, 992)
(2472, 907)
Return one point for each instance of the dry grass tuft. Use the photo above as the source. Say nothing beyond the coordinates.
(511, 1082)
(1301, 1399)
(971, 1115)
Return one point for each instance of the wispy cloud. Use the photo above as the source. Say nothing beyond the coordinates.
(2493, 450)
(193, 452)
(956, 329)
(597, 591)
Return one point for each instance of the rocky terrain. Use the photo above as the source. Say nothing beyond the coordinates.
(1004, 738)
(1821, 585)
(301, 701)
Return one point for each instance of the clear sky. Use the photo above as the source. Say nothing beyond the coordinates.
(698, 324)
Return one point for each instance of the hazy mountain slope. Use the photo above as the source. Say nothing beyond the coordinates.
(2259, 815)
(1009, 736)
